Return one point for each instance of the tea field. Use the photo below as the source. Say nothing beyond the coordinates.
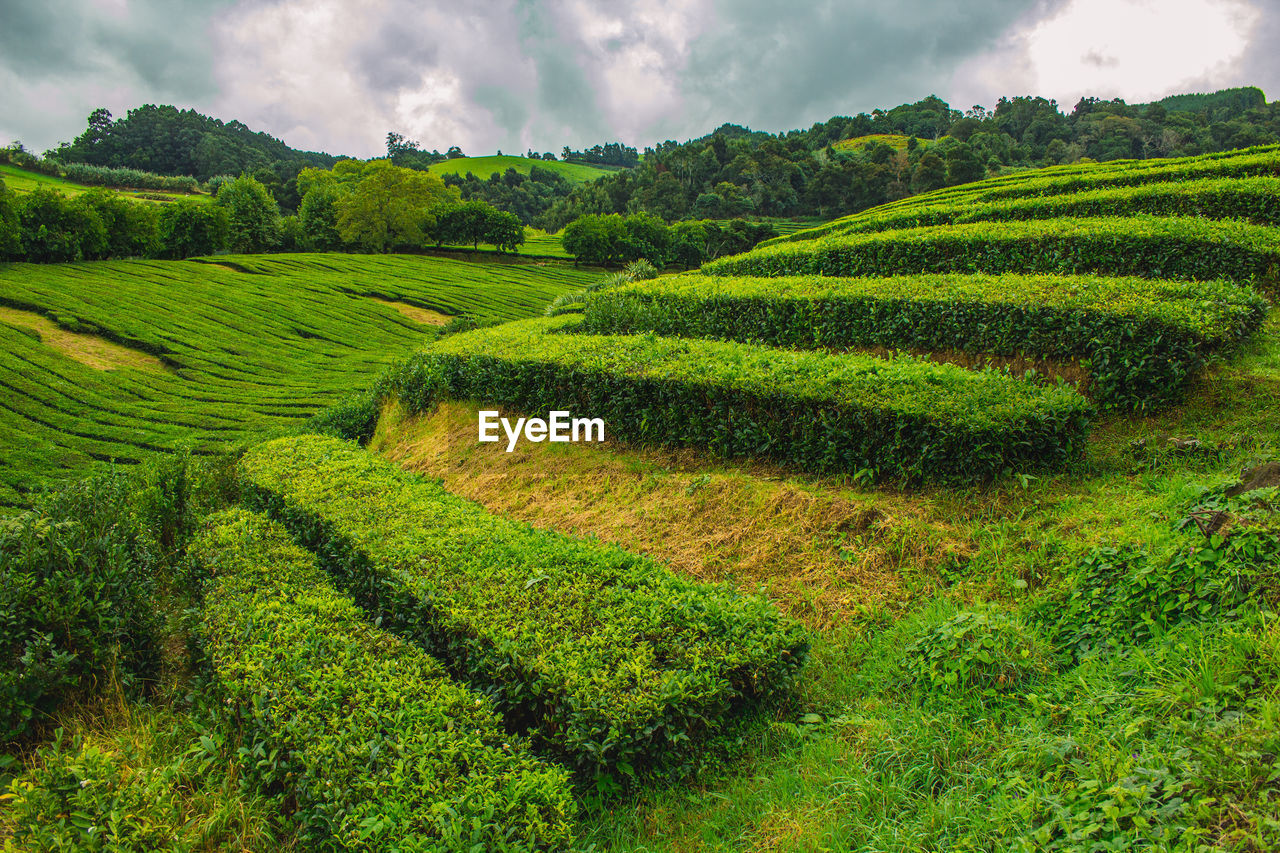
(212, 354)
(952, 525)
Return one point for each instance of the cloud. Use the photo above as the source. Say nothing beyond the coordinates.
(337, 75)
(1138, 50)
(61, 59)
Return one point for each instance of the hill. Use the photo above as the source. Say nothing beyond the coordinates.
(483, 167)
(112, 360)
(25, 181)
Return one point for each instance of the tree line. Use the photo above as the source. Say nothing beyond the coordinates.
(362, 207)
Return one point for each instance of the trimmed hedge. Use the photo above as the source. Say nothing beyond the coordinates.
(613, 664)
(1140, 340)
(1255, 200)
(378, 748)
(901, 418)
(1150, 247)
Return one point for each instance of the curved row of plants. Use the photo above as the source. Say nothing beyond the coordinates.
(901, 418)
(612, 663)
(1140, 341)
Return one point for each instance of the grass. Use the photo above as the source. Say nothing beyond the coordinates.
(896, 141)
(25, 181)
(250, 345)
(483, 167)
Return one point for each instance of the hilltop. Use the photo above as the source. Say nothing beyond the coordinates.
(484, 167)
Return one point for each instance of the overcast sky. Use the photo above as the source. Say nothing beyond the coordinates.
(336, 75)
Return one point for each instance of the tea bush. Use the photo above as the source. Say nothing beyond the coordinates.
(614, 665)
(901, 418)
(1141, 340)
(372, 742)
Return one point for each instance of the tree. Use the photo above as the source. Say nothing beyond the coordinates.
(318, 218)
(963, 165)
(10, 236)
(930, 173)
(454, 153)
(253, 219)
(190, 228)
(384, 206)
(54, 228)
(503, 230)
(131, 230)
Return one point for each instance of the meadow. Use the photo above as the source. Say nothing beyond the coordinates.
(24, 181)
(934, 535)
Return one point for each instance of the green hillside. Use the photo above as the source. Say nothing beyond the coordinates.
(212, 354)
(483, 167)
(25, 181)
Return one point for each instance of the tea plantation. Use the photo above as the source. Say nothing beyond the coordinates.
(952, 525)
(239, 348)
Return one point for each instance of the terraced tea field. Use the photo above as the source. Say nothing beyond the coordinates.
(213, 354)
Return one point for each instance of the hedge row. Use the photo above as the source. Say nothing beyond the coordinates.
(1140, 340)
(904, 418)
(613, 664)
(1149, 247)
(378, 748)
(1253, 199)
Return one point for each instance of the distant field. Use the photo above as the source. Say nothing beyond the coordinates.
(24, 181)
(483, 167)
(897, 141)
(215, 353)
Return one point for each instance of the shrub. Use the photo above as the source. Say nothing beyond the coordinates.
(902, 418)
(1141, 340)
(253, 220)
(1151, 247)
(190, 228)
(376, 747)
(354, 418)
(613, 664)
(983, 652)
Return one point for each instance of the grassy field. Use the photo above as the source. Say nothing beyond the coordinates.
(108, 361)
(24, 181)
(483, 167)
(896, 141)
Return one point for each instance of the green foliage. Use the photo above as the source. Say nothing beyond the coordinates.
(1151, 247)
(102, 176)
(54, 228)
(614, 239)
(253, 220)
(354, 418)
(189, 229)
(614, 664)
(379, 206)
(10, 231)
(900, 418)
(78, 577)
(248, 346)
(976, 652)
(372, 742)
(1141, 340)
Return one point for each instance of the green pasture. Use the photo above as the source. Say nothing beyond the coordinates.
(483, 167)
(25, 181)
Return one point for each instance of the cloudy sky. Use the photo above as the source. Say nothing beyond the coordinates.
(336, 75)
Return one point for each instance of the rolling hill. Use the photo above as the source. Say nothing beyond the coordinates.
(483, 167)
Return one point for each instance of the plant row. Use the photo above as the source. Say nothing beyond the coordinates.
(375, 744)
(1149, 247)
(902, 418)
(1139, 340)
(1253, 199)
(613, 664)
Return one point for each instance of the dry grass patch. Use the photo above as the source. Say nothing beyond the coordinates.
(823, 553)
(425, 316)
(91, 350)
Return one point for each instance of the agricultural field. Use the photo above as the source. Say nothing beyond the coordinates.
(483, 167)
(109, 361)
(25, 181)
(937, 528)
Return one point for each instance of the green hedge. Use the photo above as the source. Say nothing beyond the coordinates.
(613, 664)
(1253, 199)
(903, 418)
(1140, 340)
(1150, 247)
(376, 747)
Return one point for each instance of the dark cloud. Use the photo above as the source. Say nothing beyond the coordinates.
(60, 59)
(338, 74)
